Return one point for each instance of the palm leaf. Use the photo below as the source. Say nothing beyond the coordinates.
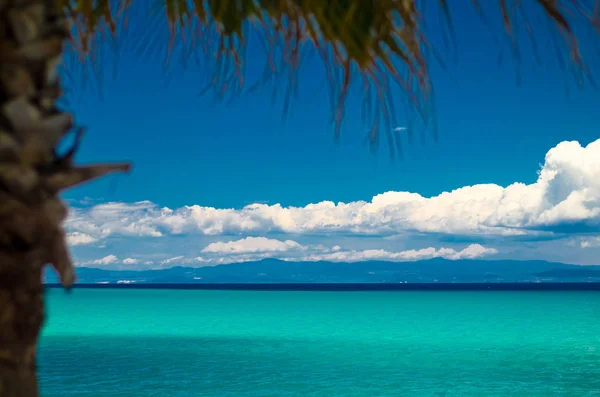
(380, 43)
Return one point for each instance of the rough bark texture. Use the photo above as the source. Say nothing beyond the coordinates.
(32, 174)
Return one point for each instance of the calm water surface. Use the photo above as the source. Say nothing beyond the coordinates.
(273, 343)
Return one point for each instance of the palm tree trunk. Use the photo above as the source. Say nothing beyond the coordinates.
(21, 318)
(32, 174)
(31, 38)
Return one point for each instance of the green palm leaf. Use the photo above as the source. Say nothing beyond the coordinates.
(381, 43)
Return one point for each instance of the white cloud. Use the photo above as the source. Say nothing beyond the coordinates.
(78, 238)
(171, 260)
(338, 254)
(103, 220)
(471, 252)
(251, 245)
(225, 260)
(590, 242)
(107, 260)
(249, 249)
(263, 248)
(567, 192)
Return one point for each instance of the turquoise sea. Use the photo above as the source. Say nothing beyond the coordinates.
(120, 342)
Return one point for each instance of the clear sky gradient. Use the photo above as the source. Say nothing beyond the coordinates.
(187, 150)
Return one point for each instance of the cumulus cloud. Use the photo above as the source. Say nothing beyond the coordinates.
(78, 238)
(250, 249)
(103, 220)
(225, 260)
(251, 245)
(256, 249)
(566, 194)
(107, 260)
(338, 254)
(471, 252)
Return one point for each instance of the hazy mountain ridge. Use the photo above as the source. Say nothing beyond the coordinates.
(277, 271)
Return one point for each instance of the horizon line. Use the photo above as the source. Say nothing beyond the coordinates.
(349, 287)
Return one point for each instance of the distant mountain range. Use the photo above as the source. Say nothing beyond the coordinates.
(277, 271)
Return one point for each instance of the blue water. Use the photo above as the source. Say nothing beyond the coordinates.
(276, 343)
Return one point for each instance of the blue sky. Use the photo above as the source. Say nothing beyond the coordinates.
(229, 181)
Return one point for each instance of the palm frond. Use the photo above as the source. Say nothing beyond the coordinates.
(381, 43)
